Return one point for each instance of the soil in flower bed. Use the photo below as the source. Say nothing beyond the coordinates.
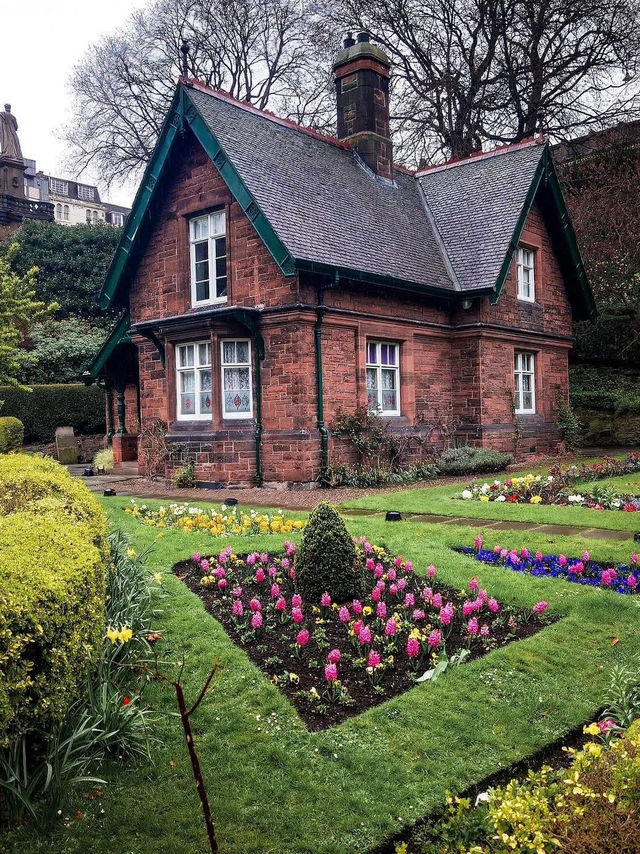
(623, 578)
(297, 647)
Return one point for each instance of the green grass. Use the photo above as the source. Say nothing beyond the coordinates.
(276, 788)
(446, 501)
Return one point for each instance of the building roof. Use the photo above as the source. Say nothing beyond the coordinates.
(621, 136)
(317, 206)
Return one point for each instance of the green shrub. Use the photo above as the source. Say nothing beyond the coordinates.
(51, 612)
(47, 407)
(470, 460)
(326, 559)
(41, 486)
(11, 435)
(103, 459)
(569, 426)
(185, 477)
(344, 475)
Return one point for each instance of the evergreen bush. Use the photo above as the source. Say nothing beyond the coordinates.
(11, 435)
(326, 559)
(47, 407)
(470, 460)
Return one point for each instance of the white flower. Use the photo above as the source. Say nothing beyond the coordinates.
(496, 483)
(484, 488)
(467, 494)
(483, 798)
(500, 498)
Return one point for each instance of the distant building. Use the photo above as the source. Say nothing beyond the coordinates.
(74, 203)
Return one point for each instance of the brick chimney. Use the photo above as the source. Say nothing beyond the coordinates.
(361, 72)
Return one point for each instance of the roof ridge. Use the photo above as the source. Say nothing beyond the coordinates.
(482, 155)
(194, 83)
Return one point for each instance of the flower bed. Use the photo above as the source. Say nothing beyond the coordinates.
(623, 578)
(334, 660)
(560, 487)
(228, 521)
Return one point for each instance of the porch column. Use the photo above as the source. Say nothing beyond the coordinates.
(121, 413)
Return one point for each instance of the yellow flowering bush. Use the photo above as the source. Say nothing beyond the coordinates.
(52, 590)
(228, 521)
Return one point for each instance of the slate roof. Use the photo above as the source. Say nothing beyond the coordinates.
(476, 204)
(323, 203)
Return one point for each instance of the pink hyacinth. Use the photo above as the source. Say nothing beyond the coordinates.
(497, 549)
(605, 726)
(446, 614)
(275, 591)
(435, 638)
(418, 615)
(381, 611)
(370, 564)
(260, 575)
(390, 628)
(586, 557)
(272, 571)
(331, 672)
(374, 659)
(431, 571)
(237, 608)
(256, 620)
(365, 635)
(577, 568)
(292, 574)
(195, 557)
(427, 593)
(264, 557)
(482, 597)
(399, 561)
(401, 583)
(473, 627)
(356, 606)
(325, 600)
(503, 553)
(524, 553)
(357, 627)
(380, 584)
(222, 583)
(237, 591)
(413, 647)
(368, 548)
(376, 595)
(540, 607)
(393, 589)
(392, 575)
(334, 656)
(468, 608)
(296, 600)
(297, 615)
(204, 565)
(379, 570)
(281, 604)
(303, 637)
(634, 558)
(608, 576)
(484, 631)
(562, 560)
(409, 600)
(255, 605)
(473, 584)
(494, 607)
(632, 581)
(511, 623)
(436, 600)
(408, 567)
(251, 559)
(286, 563)
(477, 543)
(539, 557)
(344, 615)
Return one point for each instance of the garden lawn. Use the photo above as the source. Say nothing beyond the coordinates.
(274, 787)
(446, 501)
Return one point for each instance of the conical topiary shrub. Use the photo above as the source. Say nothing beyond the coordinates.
(326, 559)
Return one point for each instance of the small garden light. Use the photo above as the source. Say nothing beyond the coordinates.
(230, 502)
(88, 472)
(393, 516)
(109, 493)
(636, 537)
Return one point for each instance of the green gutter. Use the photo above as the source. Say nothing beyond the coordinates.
(324, 434)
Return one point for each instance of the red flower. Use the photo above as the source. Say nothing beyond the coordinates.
(513, 499)
(126, 701)
(630, 508)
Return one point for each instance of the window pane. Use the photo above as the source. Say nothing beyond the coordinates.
(204, 354)
(371, 354)
(205, 380)
(187, 381)
(372, 388)
(389, 400)
(199, 228)
(229, 352)
(237, 395)
(392, 354)
(527, 400)
(186, 356)
(217, 223)
(236, 378)
(372, 378)
(187, 404)
(242, 352)
(201, 251)
(202, 291)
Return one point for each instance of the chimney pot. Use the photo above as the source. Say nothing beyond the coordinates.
(363, 37)
(349, 41)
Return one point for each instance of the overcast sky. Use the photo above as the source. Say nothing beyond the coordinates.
(41, 42)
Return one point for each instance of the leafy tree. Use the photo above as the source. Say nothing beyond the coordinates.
(62, 349)
(18, 309)
(71, 260)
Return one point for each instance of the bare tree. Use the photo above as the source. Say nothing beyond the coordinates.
(258, 50)
(468, 71)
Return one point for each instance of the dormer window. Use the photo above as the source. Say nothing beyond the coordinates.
(526, 274)
(86, 193)
(60, 188)
(208, 243)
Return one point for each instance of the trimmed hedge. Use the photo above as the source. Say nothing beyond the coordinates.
(470, 460)
(47, 407)
(11, 435)
(53, 553)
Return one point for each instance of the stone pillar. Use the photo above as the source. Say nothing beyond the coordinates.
(121, 411)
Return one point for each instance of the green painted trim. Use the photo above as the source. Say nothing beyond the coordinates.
(546, 174)
(118, 335)
(238, 188)
(142, 201)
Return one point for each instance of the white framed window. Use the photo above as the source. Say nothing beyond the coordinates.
(207, 237)
(65, 213)
(235, 364)
(58, 211)
(193, 381)
(526, 274)
(86, 193)
(524, 383)
(88, 216)
(117, 219)
(60, 188)
(94, 215)
(383, 377)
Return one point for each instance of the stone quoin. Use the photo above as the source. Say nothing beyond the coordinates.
(271, 277)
